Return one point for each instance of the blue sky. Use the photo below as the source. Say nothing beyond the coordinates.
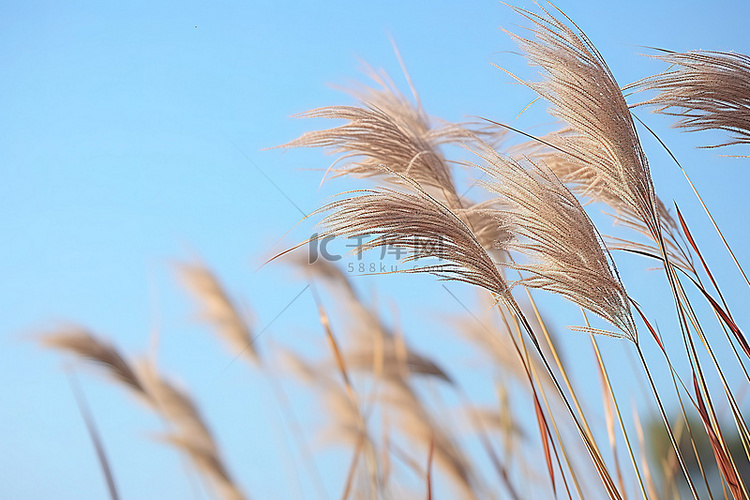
(132, 137)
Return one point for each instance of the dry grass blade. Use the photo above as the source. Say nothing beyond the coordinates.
(724, 313)
(705, 90)
(346, 423)
(546, 440)
(603, 145)
(84, 344)
(363, 437)
(542, 420)
(218, 309)
(482, 420)
(420, 224)
(567, 252)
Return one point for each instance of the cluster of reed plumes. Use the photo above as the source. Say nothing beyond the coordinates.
(529, 230)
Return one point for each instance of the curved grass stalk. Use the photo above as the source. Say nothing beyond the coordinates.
(644, 461)
(723, 317)
(560, 367)
(591, 447)
(700, 200)
(691, 436)
(88, 420)
(571, 469)
(742, 426)
(724, 460)
(740, 423)
(611, 394)
(729, 471)
(662, 412)
(499, 467)
(546, 435)
(364, 443)
(739, 337)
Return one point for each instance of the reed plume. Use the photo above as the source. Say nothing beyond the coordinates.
(84, 344)
(602, 147)
(586, 184)
(387, 129)
(417, 222)
(705, 90)
(188, 431)
(533, 228)
(219, 310)
(567, 254)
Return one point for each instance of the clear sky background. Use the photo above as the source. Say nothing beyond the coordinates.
(132, 137)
